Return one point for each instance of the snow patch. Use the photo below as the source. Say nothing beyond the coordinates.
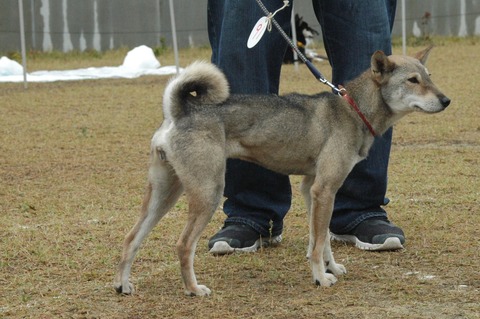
(139, 61)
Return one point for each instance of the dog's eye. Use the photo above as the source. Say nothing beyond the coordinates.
(413, 80)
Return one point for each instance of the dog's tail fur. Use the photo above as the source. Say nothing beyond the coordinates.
(199, 84)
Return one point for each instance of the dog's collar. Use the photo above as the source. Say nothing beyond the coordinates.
(348, 98)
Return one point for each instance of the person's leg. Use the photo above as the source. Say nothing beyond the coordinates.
(352, 31)
(256, 197)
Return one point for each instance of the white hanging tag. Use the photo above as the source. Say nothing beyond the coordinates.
(257, 32)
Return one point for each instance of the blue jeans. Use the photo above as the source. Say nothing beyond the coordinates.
(352, 31)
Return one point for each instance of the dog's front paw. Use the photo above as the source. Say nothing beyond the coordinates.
(199, 290)
(336, 269)
(124, 289)
(327, 280)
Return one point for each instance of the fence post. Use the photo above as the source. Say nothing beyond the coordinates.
(22, 43)
(174, 35)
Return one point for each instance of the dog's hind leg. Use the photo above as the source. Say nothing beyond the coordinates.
(162, 193)
(204, 189)
(202, 203)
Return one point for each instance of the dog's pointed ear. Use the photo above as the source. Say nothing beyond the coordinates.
(381, 65)
(423, 55)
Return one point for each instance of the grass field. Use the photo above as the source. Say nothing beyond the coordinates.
(73, 167)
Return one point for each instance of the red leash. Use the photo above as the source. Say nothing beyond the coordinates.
(354, 105)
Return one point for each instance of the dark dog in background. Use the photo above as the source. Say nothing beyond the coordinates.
(305, 35)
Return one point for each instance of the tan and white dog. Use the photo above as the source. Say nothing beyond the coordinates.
(318, 136)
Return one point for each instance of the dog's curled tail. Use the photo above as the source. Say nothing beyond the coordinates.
(198, 84)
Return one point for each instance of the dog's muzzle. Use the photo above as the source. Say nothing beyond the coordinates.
(444, 100)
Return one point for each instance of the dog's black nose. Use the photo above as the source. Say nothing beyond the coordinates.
(444, 100)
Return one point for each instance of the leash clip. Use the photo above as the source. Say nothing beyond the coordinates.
(342, 91)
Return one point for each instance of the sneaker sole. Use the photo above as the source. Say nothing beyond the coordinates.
(223, 248)
(391, 243)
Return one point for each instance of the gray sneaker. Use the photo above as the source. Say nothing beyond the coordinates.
(239, 237)
(374, 234)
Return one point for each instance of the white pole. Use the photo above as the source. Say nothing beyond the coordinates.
(294, 38)
(174, 35)
(404, 30)
(22, 43)
(34, 38)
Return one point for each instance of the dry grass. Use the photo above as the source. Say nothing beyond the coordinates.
(72, 173)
